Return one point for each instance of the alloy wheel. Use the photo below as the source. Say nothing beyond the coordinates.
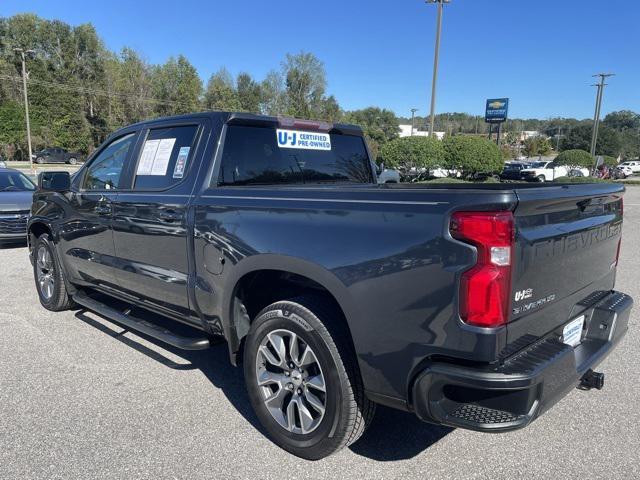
(44, 269)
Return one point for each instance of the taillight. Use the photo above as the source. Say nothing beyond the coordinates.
(485, 289)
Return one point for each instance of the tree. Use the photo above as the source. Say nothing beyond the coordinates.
(221, 93)
(579, 138)
(407, 153)
(176, 87)
(306, 82)
(575, 158)
(249, 93)
(379, 125)
(472, 155)
(622, 120)
(273, 98)
(534, 146)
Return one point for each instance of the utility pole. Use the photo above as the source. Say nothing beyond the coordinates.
(413, 114)
(596, 116)
(558, 139)
(436, 59)
(22, 53)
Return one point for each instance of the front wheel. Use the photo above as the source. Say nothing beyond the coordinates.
(542, 178)
(49, 276)
(303, 379)
(72, 161)
(39, 160)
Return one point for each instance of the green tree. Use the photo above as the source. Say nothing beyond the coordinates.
(575, 158)
(306, 82)
(273, 97)
(534, 146)
(408, 153)
(221, 93)
(176, 87)
(622, 120)
(249, 93)
(472, 155)
(579, 138)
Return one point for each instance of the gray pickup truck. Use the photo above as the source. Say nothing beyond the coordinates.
(473, 306)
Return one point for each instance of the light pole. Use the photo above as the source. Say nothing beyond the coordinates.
(436, 59)
(23, 54)
(413, 115)
(596, 116)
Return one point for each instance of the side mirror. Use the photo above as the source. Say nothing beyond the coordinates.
(54, 181)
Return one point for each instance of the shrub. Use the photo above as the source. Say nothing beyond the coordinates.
(413, 152)
(472, 155)
(575, 158)
(580, 180)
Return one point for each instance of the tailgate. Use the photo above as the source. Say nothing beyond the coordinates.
(567, 240)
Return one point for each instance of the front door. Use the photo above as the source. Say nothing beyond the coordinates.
(86, 239)
(150, 217)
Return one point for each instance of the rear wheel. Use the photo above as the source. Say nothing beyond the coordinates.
(49, 276)
(39, 160)
(303, 380)
(542, 178)
(73, 161)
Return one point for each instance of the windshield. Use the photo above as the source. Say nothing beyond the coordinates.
(538, 164)
(15, 182)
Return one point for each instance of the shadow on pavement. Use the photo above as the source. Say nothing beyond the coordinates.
(393, 435)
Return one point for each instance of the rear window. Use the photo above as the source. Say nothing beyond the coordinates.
(252, 156)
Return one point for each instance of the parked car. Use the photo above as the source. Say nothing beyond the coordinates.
(547, 171)
(16, 192)
(388, 175)
(473, 306)
(513, 171)
(634, 165)
(624, 170)
(56, 155)
(3, 164)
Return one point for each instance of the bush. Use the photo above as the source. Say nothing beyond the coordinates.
(413, 152)
(575, 158)
(472, 155)
(610, 161)
(580, 180)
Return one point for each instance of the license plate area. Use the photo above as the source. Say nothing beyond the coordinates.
(572, 331)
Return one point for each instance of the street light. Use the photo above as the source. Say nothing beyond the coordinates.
(596, 116)
(413, 114)
(22, 52)
(435, 63)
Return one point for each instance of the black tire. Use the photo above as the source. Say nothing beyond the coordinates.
(39, 160)
(73, 161)
(348, 412)
(542, 178)
(58, 299)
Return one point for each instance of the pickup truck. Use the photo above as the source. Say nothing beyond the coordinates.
(56, 155)
(548, 171)
(471, 305)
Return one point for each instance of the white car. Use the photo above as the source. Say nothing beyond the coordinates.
(634, 165)
(548, 171)
(626, 170)
(389, 175)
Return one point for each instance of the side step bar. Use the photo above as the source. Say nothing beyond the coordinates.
(142, 326)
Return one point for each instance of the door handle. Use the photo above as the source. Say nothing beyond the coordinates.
(170, 216)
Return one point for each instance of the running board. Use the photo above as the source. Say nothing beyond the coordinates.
(142, 326)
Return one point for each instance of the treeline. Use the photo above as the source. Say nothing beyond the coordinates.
(79, 92)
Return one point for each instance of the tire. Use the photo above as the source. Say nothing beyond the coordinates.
(49, 277)
(542, 178)
(72, 161)
(345, 412)
(39, 160)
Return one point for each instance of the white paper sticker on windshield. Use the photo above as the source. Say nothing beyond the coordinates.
(163, 154)
(148, 156)
(303, 140)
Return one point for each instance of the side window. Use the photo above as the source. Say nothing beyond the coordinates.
(104, 171)
(165, 157)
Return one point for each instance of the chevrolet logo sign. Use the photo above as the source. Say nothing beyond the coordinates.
(496, 104)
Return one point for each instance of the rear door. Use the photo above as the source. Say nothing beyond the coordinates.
(150, 215)
(565, 256)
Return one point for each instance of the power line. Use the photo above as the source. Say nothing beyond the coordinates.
(95, 91)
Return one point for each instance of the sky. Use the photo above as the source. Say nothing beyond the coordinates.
(541, 54)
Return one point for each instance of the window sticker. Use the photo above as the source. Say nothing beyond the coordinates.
(155, 157)
(181, 162)
(303, 140)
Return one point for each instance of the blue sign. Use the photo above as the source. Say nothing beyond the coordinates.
(496, 110)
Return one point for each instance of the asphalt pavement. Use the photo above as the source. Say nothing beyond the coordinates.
(81, 398)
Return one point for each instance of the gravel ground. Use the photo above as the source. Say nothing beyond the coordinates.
(82, 398)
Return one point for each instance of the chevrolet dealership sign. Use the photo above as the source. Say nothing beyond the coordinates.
(496, 110)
